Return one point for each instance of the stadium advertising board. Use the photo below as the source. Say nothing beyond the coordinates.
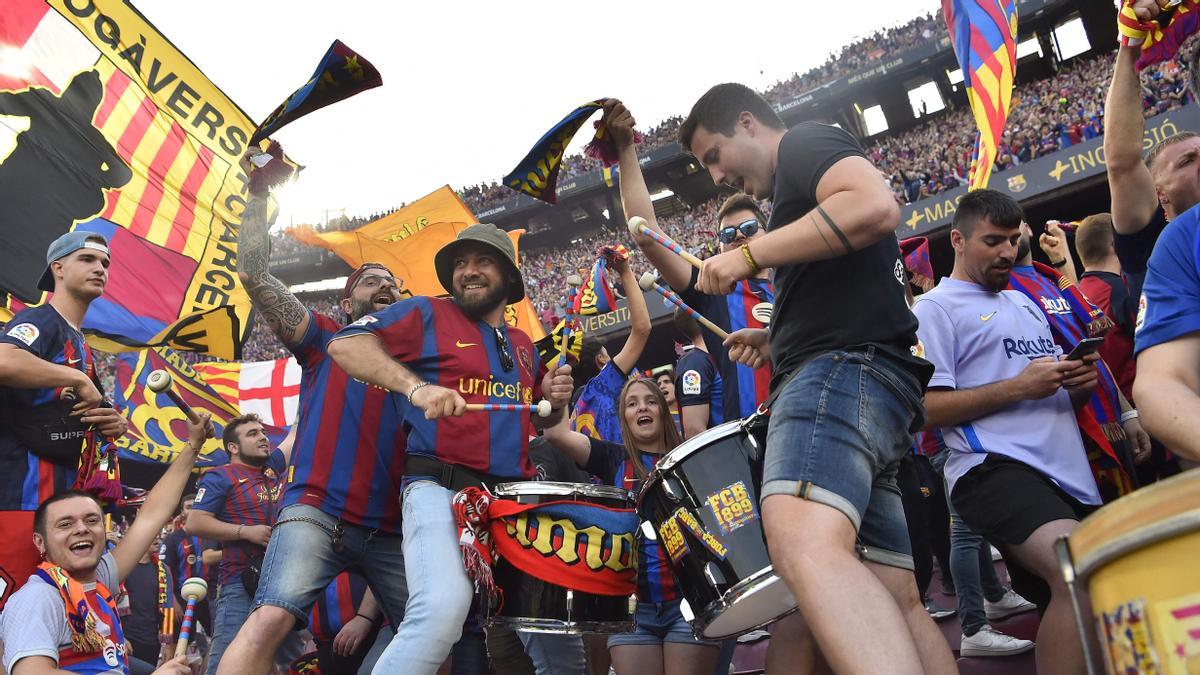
(1042, 175)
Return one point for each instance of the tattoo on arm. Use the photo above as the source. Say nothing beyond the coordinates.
(817, 227)
(836, 230)
(279, 307)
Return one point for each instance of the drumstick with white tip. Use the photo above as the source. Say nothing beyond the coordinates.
(638, 225)
(194, 589)
(647, 282)
(541, 408)
(160, 382)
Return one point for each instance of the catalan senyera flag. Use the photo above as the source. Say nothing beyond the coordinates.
(105, 126)
(342, 73)
(406, 241)
(269, 389)
(984, 35)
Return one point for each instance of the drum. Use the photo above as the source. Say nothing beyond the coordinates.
(701, 503)
(1136, 560)
(531, 604)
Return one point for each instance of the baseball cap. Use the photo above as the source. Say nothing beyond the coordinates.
(65, 246)
(356, 275)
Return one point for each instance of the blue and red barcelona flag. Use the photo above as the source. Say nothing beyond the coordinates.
(537, 174)
(984, 35)
(106, 126)
(157, 428)
(916, 260)
(595, 296)
(341, 74)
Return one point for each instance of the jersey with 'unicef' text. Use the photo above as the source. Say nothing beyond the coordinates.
(349, 454)
(240, 494)
(439, 343)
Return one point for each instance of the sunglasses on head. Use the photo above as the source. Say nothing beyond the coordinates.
(747, 228)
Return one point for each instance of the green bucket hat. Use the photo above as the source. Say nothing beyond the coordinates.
(488, 235)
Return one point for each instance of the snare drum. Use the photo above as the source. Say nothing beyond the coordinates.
(531, 604)
(1137, 560)
(701, 503)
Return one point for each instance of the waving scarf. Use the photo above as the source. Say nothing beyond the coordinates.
(81, 612)
(1072, 317)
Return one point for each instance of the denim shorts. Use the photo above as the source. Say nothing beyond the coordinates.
(301, 561)
(656, 623)
(837, 433)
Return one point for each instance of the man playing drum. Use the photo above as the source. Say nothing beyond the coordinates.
(848, 388)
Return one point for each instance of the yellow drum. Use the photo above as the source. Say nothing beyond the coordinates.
(1138, 562)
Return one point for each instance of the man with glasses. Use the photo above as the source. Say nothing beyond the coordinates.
(341, 503)
(441, 353)
(749, 306)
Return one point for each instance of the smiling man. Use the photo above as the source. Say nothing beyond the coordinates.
(341, 504)
(65, 617)
(849, 389)
(49, 395)
(443, 353)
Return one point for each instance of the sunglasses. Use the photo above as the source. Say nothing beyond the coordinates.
(506, 361)
(747, 228)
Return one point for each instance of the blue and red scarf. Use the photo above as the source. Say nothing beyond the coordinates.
(584, 547)
(1072, 318)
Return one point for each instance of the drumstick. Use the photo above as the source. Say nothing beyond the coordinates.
(160, 382)
(637, 225)
(647, 283)
(194, 590)
(542, 408)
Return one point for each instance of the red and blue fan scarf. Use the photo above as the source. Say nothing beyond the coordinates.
(583, 547)
(1077, 318)
(165, 600)
(85, 609)
(916, 260)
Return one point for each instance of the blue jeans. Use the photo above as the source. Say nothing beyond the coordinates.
(439, 592)
(300, 563)
(659, 622)
(233, 606)
(838, 430)
(555, 654)
(970, 564)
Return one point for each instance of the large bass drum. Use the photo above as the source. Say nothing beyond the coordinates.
(701, 503)
(531, 604)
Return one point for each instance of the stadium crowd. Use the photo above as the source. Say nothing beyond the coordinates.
(996, 409)
(1046, 116)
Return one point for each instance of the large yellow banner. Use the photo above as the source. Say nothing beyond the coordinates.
(406, 241)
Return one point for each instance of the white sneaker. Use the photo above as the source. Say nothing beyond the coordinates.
(990, 642)
(1012, 603)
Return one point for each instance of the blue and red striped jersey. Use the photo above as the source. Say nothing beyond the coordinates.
(241, 495)
(349, 453)
(30, 478)
(743, 388)
(436, 340)
(609, 461)
(336, 605)
(929, 443)
(184, 556)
